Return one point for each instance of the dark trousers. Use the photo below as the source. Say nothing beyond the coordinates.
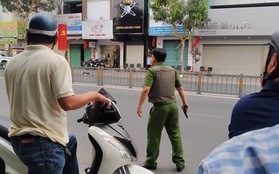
(43, 156)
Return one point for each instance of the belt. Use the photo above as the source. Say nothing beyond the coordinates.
(27, 141)
(28, 138)
(163, 103)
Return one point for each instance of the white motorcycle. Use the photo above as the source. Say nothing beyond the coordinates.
(9, 162)
(114, 150)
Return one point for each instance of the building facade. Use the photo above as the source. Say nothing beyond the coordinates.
(235, 40)
(113, 31)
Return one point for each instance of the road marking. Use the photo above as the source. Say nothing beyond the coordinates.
(207, 116)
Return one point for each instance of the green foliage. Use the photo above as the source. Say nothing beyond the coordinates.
(192, 14)
(197, 10)
(24, 8)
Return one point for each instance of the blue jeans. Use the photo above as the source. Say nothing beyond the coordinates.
(43, 156)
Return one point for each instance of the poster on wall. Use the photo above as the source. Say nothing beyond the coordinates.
(128, 16)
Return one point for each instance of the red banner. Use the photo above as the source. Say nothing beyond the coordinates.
(62, 37)
(195, 43)
(85, 44)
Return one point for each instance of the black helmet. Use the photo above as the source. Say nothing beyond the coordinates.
(42, 23)
(274, 42)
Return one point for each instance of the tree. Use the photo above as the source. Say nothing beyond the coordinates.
(191, 15)
(23, 8)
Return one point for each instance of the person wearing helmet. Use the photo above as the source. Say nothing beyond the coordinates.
(260, 109)
(39, 88)
(159, 84)
(253, 146)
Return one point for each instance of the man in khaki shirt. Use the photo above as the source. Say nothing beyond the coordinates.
(39, 89)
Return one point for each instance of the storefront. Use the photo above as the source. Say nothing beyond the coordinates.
(165, 39)
(13, 37)
(128, 28)
(75, 53)
(235, 40)
(98, 34)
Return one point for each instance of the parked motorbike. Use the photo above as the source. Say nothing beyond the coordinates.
(114, 152)
(93, 63)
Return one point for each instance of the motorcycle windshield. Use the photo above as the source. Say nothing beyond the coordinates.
(106, 94)
(102, 114)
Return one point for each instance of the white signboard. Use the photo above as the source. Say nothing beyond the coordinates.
(73, 22)
(241, 22)
(101, 29)
(160, 28)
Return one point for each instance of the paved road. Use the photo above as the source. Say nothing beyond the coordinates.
(205, 128)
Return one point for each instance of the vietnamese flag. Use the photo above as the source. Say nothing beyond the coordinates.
(85, 44)
(195, 43)
(62, 37)
(153, 42)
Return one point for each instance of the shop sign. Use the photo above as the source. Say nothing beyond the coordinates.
(101, 29)
(229, 25)
(226, 28)
(21, 30)
(73, 22)
(128, 16)
(8, 32)
(162, 28)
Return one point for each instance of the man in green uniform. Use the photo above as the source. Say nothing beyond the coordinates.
(159, 84)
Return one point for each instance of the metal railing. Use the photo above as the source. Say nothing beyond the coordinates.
(200, 82)
(192, 81)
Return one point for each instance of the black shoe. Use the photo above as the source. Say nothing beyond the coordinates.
(179, 169)
(150, 167)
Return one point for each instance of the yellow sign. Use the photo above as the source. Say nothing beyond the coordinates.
(8, 32)
(21, 30)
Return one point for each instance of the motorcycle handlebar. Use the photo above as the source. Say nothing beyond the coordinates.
(80, 120)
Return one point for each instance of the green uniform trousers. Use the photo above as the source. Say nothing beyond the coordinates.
(164, 115)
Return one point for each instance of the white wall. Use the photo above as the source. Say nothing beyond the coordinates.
(233, 2)
(5, 16)
(97, 9)
(134, 54)
(256, 21)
